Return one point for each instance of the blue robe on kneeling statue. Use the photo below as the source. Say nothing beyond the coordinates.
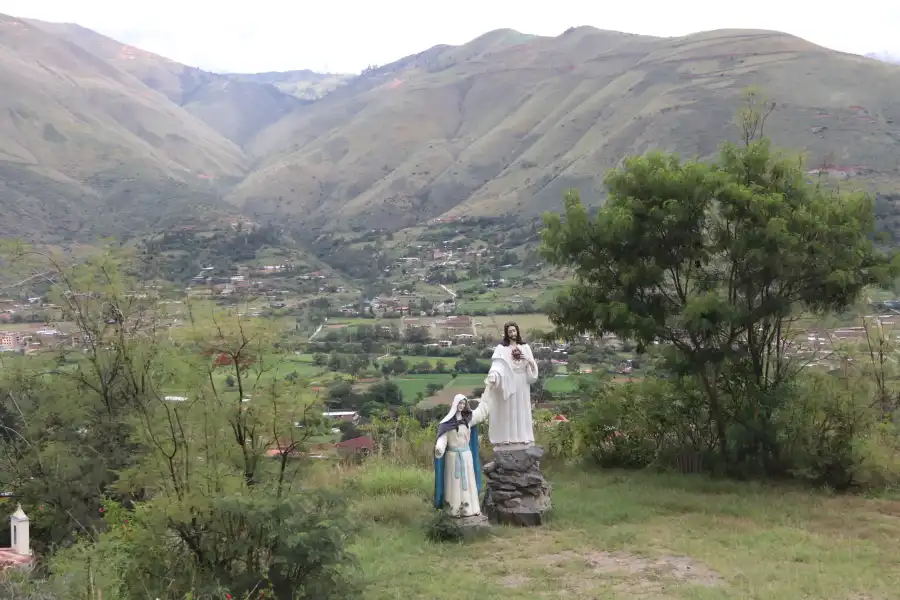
(457, 473)
(439, 464)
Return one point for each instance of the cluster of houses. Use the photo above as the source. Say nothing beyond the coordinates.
(360, 445)
(261, 279)
(455, 254)
(400, 302)
(31, 340)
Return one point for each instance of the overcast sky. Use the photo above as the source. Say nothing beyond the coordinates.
(346, 36)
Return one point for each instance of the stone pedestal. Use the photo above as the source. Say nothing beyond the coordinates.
(473, 527)
(517, 493)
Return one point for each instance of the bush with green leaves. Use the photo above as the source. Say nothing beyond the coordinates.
(291, 548)
(443, 528)
(824, 432)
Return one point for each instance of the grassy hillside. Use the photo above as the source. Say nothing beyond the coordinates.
(235, 107)
(303, 84)
(508, 121)
(103, 138)
(616, 535)
(80, 138)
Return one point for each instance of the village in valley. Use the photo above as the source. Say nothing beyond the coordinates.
(419, 329)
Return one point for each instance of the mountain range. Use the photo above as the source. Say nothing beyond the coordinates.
(98, 137)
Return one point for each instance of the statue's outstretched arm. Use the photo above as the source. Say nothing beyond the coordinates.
(480, 414)
(492, 379)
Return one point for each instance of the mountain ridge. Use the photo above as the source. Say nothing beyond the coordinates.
(498, 126)
(551, 113)
(884, 57)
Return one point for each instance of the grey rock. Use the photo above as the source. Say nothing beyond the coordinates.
(517, 493)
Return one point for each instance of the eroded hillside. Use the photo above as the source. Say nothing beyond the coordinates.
(103, 138)
(507, 122)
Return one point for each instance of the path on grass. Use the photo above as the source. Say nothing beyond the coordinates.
(448, 290)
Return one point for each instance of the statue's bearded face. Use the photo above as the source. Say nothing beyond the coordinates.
(513, 332)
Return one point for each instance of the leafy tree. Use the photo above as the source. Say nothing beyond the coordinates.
(398, 366)
(386, 393)
(716, 260)
(433, 388)
(196, 497)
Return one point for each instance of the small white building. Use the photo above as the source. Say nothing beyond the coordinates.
(346, 416)
(18, 555)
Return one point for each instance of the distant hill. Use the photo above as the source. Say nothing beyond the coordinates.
(302, 84)
(98, 137)
(85, 148)
(884, 57)
(236, 107)
(505, 123)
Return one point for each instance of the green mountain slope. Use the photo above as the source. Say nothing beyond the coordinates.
(98, 137)
(235, 107)
(505, 123)
(80, 139)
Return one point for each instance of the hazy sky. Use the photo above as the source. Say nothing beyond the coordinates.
(346, 36)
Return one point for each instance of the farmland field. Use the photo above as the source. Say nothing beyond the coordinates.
(62, 326)
(342, 323)
(561, 384)
(411, 385)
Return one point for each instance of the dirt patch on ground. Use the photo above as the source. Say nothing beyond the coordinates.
(514, 581)
(633, 575)
(588, 573)
(648, 577)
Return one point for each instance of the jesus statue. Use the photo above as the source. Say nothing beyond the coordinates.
(508, 390)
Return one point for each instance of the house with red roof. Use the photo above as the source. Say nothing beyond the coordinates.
(360, 445)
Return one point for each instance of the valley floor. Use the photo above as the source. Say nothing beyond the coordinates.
(638, 535)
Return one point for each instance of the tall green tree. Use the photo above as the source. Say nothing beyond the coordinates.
(716, 260)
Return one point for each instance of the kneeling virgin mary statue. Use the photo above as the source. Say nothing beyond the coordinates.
(457, 464)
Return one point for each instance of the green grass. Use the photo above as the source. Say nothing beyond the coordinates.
(636, 535)
(560, 384)
(411, 385)
(432, 360)
(512, 273)
(341, 322)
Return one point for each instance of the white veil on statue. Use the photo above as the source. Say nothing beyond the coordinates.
(453, 407)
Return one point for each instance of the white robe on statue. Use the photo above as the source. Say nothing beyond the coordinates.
(509, 392)
(460, 489)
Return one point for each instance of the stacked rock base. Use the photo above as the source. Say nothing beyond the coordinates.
(517, 493)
